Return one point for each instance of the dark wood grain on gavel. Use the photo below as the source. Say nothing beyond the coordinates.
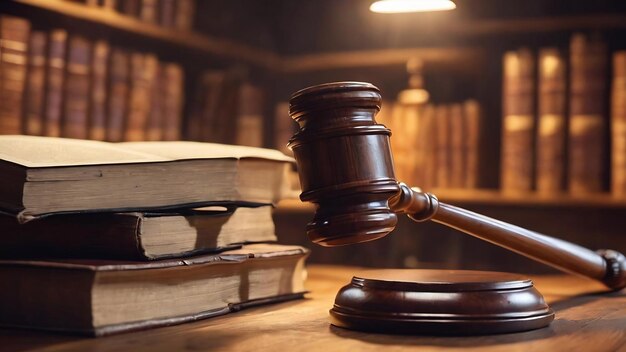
(346, 169)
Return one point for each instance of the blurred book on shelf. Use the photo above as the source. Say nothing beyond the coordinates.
(518, 121)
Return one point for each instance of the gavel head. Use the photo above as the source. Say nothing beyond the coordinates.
(344, 162)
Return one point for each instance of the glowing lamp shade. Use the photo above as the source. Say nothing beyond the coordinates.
(400, 6)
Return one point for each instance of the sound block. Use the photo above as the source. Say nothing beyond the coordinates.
(440, 302)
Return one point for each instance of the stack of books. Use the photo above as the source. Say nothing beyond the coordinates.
(99, 238)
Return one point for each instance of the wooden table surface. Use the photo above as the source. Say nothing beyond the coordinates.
(587, 319)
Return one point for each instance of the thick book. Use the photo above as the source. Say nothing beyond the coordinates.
(117, 101)
(551, 131)
(95, 297)
(137, 235)
(518, 124)
(77, 88)
(154, 122)
(587, 114)
(55, 78)
(618, 124)
(35, 79)
(99, 78)
(44, 175)
(14, 34)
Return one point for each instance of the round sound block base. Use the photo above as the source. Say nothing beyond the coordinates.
(440, 302)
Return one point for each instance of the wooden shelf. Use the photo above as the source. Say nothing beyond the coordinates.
(204, 45)
(199, 43)
(496, 198)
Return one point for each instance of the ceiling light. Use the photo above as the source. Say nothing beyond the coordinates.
(401, 6)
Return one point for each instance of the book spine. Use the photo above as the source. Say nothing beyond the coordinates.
(55, 77)
(167, 13)
(550, 168)
(154, 124)
(109, 4)
(130, 7)
(14, 35)
(211, 98)
(35, 79)
(401, 157)
(226, 106)
(618, 124)
(457, 147)
(442, 130)
(173, 97)
(97, 123)
(117, 95)
(586, 114)
(143, 73)
(518, 123)
(428, 141)
(472, 117)
(77, 88)
(149, 11)
(184, 14)
(250, 116)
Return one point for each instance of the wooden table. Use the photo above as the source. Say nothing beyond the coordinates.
(586, 320)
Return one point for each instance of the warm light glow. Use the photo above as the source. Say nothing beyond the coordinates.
(399, 6)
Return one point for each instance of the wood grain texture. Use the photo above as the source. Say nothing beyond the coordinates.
(586, 319)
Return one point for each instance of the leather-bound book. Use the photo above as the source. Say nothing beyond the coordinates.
(442, 130)
(14, 35)
(198, 126)
(55, 78)
(35, 83)
(130, 7)
(77, 88)
(224, 124)
(458, 133)
(184, 15)
(551, 130)
(45, 175)
(117, 105)
(137, 235)
(99, 78)
(143, 70)
(428, 145)
(167, 12)
(103, 297)
(618, 124)
(473, 125)
(149, 11)
(250, 116)
(154, 123)
(587, 114)
(173, 78)
(518, 121)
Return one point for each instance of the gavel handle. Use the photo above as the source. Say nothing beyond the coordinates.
(607, 266)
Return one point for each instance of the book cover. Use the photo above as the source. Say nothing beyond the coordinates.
(518, 124)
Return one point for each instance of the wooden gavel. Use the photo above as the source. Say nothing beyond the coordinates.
(346, 168)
